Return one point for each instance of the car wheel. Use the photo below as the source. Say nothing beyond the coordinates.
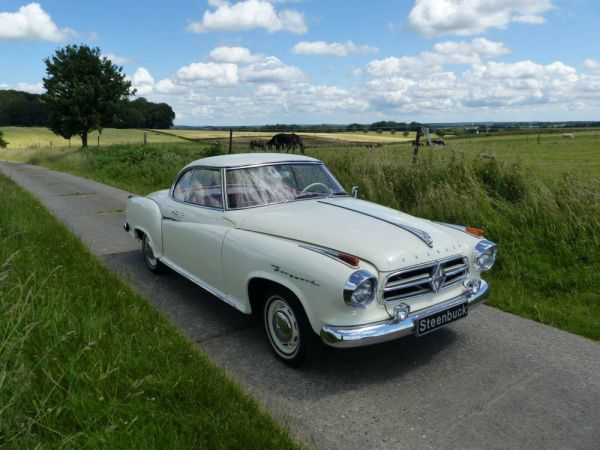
(151, 261)
(287, 328)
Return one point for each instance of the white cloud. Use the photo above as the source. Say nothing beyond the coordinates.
(479, 46)
(447, 52)
(248, 15)
(234, 55)
(168, 87)
(425, 86)
(331, 49)
(142, 81)
(214, 74)
(271, 70)
(31, 23)
(467, 17)
(116, 59)
(34, 88)
(591, 64)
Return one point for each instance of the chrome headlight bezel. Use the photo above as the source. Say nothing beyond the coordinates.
(360, 279)
(484, 255)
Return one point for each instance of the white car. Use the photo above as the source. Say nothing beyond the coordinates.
(277, 235)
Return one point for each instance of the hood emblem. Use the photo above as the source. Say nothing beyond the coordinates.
(421, 234)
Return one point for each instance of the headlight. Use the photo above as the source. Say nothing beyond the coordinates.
(485, 255)
(360, 289)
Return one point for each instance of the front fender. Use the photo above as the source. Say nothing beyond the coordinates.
(316, 280)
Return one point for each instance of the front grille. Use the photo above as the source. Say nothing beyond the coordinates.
(425, 278)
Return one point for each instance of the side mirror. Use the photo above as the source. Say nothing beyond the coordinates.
(355, 191)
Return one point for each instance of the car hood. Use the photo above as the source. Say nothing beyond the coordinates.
(386, 238)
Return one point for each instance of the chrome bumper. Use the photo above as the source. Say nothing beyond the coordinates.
(374, 333)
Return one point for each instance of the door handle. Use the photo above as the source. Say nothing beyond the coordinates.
(177, 213)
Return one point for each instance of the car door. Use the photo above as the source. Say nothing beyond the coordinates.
(194, 226)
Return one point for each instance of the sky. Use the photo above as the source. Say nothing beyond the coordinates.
(255, 62)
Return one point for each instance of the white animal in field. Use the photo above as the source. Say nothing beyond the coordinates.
(568, 135)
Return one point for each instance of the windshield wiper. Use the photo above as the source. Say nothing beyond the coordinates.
(310, 195)
(334, 194)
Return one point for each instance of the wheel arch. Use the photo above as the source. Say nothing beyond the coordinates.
(258, 284)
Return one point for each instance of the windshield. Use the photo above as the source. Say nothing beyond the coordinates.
(264, 185)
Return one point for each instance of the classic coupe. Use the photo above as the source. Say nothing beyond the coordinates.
(278, 236)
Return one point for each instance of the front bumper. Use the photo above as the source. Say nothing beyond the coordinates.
(387, 330)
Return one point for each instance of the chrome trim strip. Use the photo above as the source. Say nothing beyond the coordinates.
(461, 228)
(387, 330)
(333, 254)
(423, 235)
(207, 287)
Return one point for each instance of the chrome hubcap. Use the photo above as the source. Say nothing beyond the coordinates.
(282, 327)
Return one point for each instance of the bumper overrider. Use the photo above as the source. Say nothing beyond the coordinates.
(387, 330)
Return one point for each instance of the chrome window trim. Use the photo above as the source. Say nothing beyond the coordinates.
(278, 163)
(419, 266)
(188, 169)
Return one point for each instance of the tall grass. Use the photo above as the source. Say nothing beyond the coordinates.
(548, 266)
(87, 363)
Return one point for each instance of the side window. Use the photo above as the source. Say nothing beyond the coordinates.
(181, 186)
(205, 188)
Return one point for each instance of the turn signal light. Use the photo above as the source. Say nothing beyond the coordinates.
(349, 259)
(475, 231)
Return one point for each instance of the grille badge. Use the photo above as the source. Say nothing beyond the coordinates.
(438, 278)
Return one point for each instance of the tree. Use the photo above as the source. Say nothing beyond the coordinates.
(3, 143)
(440, 133)
(84, 91)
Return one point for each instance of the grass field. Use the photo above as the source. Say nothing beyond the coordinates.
(87, 363)
(24, 137)
(359, 137)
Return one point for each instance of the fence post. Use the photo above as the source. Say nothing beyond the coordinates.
(98, 140)
(230, 139)
(539, 137)
(145, 138)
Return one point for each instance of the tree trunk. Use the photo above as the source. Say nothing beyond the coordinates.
(84, 137)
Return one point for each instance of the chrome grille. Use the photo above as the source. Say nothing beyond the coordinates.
(425, 278)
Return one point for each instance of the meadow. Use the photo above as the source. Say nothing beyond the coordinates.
(85, 362)
(355, 137)
(20, 138)
(539, 202)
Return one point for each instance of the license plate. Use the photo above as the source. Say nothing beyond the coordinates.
(427, 324)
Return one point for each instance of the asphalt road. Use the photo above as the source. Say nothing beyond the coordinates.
(493, 380)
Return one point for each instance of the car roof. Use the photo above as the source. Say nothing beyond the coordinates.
(250, 159)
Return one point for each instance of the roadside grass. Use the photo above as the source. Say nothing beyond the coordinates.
(130, 167)
(85, 362)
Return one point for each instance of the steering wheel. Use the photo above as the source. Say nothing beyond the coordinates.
(308, 188)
